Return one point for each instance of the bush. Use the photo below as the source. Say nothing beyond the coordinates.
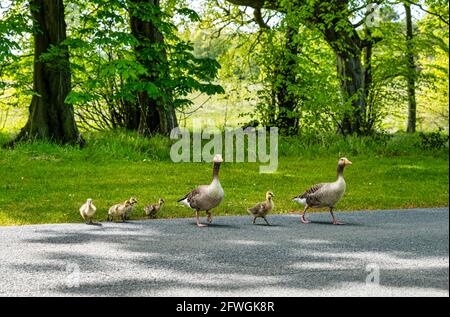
(434, 140)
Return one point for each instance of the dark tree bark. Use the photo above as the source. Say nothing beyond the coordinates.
(50, 118)
(132, 115)
(287, 120)
(370, 114)
(351, 74)
(410, 73)
(348, 48)
(155, 114)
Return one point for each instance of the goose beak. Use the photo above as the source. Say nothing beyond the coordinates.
(347, 162)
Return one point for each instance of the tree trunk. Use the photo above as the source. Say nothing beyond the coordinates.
(132, 115)
(351, 75)
(347, 47)
(50, 118)
(370, 112)
(156, 114)
(287, 120)
(410, 73)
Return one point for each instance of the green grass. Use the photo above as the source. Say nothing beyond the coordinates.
(45, 183)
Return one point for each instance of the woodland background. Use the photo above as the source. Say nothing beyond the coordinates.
(89, 87)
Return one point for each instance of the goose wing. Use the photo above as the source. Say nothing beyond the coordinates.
(318, 195)
(191, 198)
(313, 190)
(257, 209)
(116, 209)
(83, 208)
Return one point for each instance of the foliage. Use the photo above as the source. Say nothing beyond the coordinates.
(15, 63)
(390, 71)
(433, 140)
(107, 76)
(319, 104)
(433, 97)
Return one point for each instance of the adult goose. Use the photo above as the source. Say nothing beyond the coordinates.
(260, 210)
(325, 194)
(206, 197)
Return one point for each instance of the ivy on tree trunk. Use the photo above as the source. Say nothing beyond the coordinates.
(286, 119)
(156, 113)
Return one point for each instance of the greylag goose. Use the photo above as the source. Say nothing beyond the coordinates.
(325, 194)
(122, 210)
(262, 209)
(153, 209)
(206, 197)
(87, 211)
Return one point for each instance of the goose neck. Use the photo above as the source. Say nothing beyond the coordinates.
(340, 171)
(216, 170)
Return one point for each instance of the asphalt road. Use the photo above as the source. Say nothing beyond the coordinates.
(377, 253)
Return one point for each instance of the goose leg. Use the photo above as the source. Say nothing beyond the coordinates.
(209, 216)
(335, 222)
(198, 220)
(266, 221)
(254, 220)
(302, 217)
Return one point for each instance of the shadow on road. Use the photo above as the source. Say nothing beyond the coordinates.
(160, 257)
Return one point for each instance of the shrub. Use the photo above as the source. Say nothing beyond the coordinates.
(433, 141)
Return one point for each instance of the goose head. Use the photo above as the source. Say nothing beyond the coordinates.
(218, 158)
(343, 161)
(132, 201)
(217, 161)
(269, 195)
(161, 201)
(89, 201)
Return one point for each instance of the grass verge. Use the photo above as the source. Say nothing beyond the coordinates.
(45, 183)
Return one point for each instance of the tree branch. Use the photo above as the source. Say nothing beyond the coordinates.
(258, 4)
(259, 19)
(440, 17)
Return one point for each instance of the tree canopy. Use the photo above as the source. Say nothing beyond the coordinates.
(351, 67)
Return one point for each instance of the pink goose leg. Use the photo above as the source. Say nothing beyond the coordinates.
(335, 222)
(198, 221)
(302, 217)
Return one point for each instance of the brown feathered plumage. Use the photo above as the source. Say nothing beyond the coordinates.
(206, 197)
(152, 210)
(325, 194)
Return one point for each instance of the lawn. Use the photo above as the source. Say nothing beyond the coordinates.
(44, 183)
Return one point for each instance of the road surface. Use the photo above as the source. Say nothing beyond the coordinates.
(377, 253)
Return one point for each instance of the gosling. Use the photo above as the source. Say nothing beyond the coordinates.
(87, 211)
(260, 210)
(153, 209)
(122, 210)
